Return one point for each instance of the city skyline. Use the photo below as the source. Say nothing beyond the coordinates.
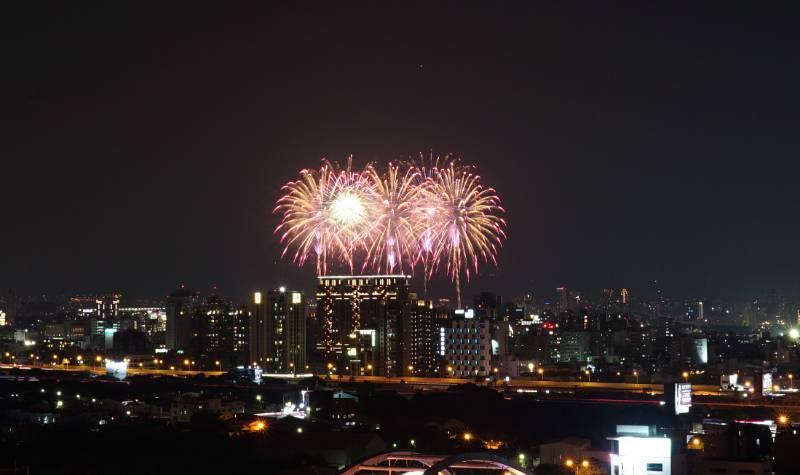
(350, 238)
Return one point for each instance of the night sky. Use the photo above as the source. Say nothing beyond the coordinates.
(143, 146)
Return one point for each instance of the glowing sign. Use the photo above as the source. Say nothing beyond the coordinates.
(766, 383)
(683, 398)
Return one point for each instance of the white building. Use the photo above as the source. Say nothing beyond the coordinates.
(639, 451)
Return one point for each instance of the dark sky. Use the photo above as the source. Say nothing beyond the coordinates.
(143, 146)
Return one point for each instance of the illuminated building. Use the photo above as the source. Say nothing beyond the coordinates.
(488, 306)
(278, 331)
(362, 319)
(638, 450)
(107, 306)
(574, 346)
(469, 345)
(222, 333)
(561, 301)
(420, 333)
(181, 307)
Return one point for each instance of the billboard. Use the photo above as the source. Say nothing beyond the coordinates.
(683, 398)
(766, 383)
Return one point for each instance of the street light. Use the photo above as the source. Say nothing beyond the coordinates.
(686, 376)
(541, 374)
(783, 419)
(589, 374)
(791, 386)
(530, 367)
(636, 373)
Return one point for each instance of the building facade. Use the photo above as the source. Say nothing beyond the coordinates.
(181, 308)
(362, 320)
(278, 331)
(469, 347)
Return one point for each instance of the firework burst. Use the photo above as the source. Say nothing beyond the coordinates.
(466, 222)
(435, 212)
(392, 237)
(323, 215)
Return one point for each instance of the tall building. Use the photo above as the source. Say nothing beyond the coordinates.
(362, 322)
(561, 300)
(419, 338)
(278, 331)
(181, 308)
(469, 348)
(107, 306)
(222, 333)
(487, 305)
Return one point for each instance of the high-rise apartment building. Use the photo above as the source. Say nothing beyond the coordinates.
(362, 321)
(278, 331)
(420, 335)
(181, 308)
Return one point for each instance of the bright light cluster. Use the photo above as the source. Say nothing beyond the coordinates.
(433, 213)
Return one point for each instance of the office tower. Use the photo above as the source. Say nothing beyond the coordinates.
(362, 319)
(561, 300)
(181, 308)
(278, 331)
(468, 347)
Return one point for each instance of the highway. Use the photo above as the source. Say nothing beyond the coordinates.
(515, 383)
(707, 395)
